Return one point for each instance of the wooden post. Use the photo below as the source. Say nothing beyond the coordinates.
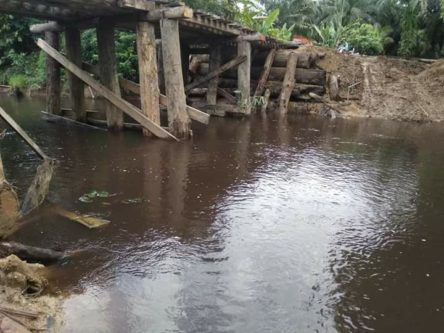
(108, 71)
(2, 173)
(160, 72)
(264, 106)
(76, 86)
(215, 62)
(244, 77)
(149, 82)
(179, 121)
(260, 89)
(53, 86)
(288, 84)
(185, 58)
(333, 87)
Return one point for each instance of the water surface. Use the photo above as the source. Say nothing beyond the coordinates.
(256, 225)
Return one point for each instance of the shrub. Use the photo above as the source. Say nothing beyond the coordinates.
(365, 38)
(18, 81)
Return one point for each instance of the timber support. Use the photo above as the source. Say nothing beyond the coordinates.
(149, 87)
(178, 119)
(53, 84)
(108, 71)
(76, 86)
(244, 77)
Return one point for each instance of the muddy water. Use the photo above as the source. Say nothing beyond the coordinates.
(301, 225)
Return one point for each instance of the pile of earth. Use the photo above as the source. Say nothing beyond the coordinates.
(386, 87)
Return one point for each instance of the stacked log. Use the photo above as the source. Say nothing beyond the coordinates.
(309, 79)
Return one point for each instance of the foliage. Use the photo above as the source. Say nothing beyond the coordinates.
(366, 38)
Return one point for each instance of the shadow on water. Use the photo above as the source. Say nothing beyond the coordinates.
(259, 225)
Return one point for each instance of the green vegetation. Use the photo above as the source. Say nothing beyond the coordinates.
(411, 28)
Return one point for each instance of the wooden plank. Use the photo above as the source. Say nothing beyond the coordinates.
(215, 62)
(193, 113)
(55, 118)
(265, 73)
(288, 83)
(11, 122)
(149, 81)
(224, 93)
(53, 83)
(178, 119)
(116, 100)
(231, 64)
(76, 86)
(244, 77)
(108, 71)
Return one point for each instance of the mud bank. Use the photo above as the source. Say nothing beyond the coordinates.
(387, 87)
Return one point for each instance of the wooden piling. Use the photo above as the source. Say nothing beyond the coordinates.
(148, 76)
(53, 86)
(76, 86)
(108, 71)
(288, 83)
(179, 121)
(160, 72)
(244, 77)
(215, 62)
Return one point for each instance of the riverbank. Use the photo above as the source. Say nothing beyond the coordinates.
(386, 87)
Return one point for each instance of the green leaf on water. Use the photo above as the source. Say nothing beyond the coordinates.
(89, 197)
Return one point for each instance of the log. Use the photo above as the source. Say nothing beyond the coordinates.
(288, 84)
(148, 77)
(215, 62)
(263, 79)
(60, 119)
(244, 77)
(32, 253)
(193, 113)
(108, 71)
(305, 59)
(53, 83)
(178, 119)
(303, 75)
(116, 100)
(76, 86)
(211, 75)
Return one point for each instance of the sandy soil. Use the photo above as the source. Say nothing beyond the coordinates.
(387, 87)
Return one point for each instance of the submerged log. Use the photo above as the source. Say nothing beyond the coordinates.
(34, 254)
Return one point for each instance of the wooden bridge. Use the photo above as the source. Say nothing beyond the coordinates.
(168, 33)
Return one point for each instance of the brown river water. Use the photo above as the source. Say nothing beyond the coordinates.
(256, 225)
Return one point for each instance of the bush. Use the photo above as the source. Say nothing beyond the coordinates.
(18, 81)
(365, 38)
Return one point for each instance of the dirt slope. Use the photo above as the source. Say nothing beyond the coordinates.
(386, 87)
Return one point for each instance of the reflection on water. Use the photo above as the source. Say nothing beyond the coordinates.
(260, 225)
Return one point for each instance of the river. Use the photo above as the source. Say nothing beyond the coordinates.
(256, 225)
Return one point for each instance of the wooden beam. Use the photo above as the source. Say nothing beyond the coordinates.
(215, 62)
(44, 27)
(181, 12)
(231, 64)
(109, 95)
(244, 77)
(53, 83)
(76, 86)
(108, 71)
(136, 4)
(288, 83)
(178, 119)
(148, 77)
(193, 113)
(227, 95)
(265, 73)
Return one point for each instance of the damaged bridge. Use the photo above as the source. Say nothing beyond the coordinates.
(190, 62)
